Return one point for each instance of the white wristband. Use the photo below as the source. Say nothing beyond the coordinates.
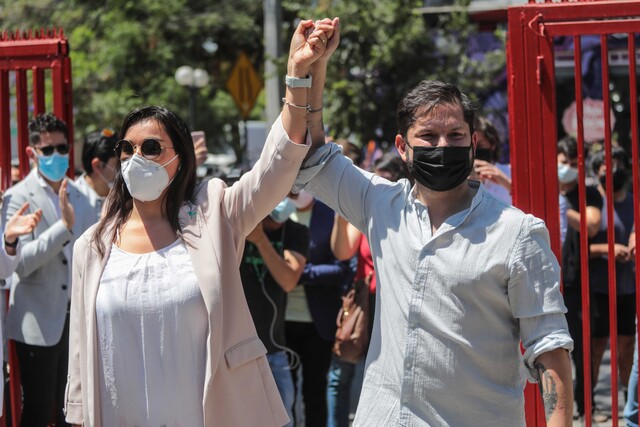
(297, 82)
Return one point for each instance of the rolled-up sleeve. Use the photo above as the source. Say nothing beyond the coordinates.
(534, 294)
(337, 182)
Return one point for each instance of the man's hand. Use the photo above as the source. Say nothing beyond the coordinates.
(632, 244)
(21, 223)
(66, 209)
(333, 37)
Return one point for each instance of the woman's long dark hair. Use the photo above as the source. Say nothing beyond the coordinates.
(119, 202)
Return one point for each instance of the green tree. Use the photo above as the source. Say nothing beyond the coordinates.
(125, 53)
(386, 49)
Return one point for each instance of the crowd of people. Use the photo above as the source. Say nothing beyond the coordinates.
(143, 297)
(597, 259)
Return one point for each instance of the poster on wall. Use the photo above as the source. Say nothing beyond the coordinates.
(592, 119)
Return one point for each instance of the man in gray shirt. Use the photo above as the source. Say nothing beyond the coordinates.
(463, 278)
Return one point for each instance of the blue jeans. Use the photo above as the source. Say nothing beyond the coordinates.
(339, 392)
(631, 408)
(279, 364)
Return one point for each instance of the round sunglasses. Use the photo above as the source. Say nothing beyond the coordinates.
(49, 149)
(150, 148)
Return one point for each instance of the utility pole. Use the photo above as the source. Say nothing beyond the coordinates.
(272, 78)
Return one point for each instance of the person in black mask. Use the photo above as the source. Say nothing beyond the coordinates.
(495, 176)
(462, 278)
(625, 275)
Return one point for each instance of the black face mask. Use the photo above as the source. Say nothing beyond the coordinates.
(620, 176)
(441, 168)
(485, 154)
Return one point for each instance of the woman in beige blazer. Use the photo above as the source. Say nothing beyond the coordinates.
(154, 208)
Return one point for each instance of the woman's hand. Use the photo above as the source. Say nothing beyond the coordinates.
(485, 170)
(308, 44)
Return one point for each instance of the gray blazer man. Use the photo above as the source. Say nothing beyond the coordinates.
(38, 314)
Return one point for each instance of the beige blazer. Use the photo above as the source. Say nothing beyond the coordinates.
(239, 387)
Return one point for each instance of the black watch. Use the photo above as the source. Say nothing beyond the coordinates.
(11, 245)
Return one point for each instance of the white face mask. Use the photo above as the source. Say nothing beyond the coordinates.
(566, 173)
(304, 200)
(145, 179)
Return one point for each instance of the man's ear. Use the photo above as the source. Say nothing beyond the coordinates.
(474, 142)
(401, 146)
(31, 154)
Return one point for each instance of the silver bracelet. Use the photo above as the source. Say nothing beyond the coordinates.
(302, 107)
(315, 110)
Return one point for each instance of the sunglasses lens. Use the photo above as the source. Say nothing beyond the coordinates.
(125, 147)
(63, 149)
(47, 151)
(151, 148)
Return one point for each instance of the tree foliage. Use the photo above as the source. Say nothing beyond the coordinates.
(125, 53)
(386, 49)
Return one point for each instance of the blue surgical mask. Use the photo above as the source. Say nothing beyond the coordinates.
(53, 167)
(283, 210)
(566, 173)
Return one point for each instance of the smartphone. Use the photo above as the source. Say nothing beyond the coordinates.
(197, 134)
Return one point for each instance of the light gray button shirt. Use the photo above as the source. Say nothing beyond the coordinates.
(452, 308)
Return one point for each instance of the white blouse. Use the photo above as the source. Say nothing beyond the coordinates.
(152, 332)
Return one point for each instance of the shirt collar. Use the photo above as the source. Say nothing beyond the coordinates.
(44, 184)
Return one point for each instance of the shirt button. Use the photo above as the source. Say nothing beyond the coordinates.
(64, 262)
(64, 287)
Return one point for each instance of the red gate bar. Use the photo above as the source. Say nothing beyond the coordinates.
(633, 94)
(584, 238)
(576, 28)
(38, 90)
(613, 319)
(5, 131)
(531, 28)
(22, 107)
(36, 52)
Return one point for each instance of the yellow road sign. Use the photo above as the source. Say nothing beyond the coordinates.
(244, 84)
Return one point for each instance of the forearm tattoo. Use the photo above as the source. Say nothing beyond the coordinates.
(548, 390)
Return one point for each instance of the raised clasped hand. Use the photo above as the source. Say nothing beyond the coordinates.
(309, 43)
(333, 37)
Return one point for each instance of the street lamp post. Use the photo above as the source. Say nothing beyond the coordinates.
(194, 80)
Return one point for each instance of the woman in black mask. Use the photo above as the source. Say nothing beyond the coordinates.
(495, 176)
(598, 266)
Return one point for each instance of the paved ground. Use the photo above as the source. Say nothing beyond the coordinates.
(603, 397)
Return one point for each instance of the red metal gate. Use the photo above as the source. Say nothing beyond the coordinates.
(44, 56)
(532, 71)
